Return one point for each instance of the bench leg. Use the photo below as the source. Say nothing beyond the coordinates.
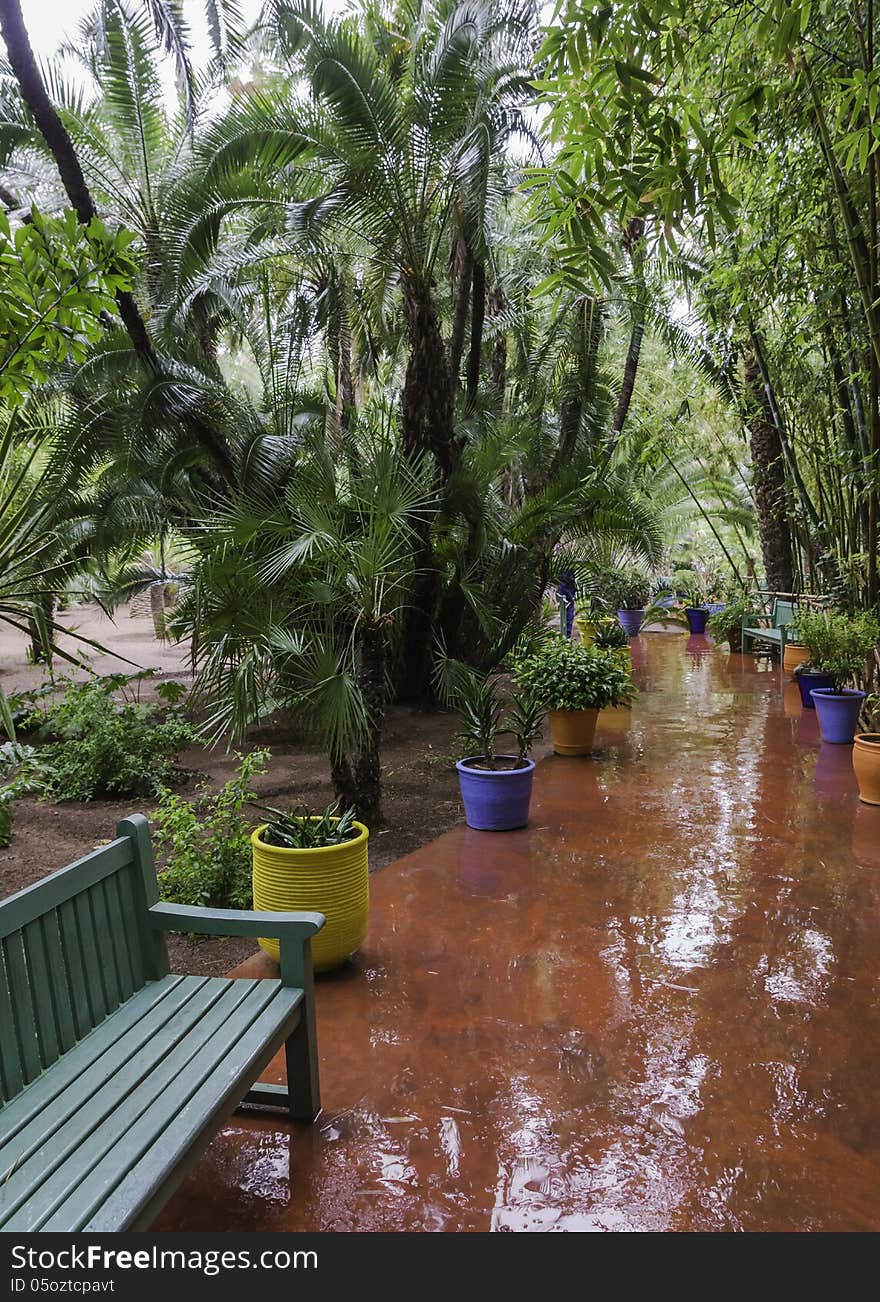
(301, 1053)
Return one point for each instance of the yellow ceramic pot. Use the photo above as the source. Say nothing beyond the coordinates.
(866, 762)
(794, 655)
(587, 630)
(573, 731)
(333, 880)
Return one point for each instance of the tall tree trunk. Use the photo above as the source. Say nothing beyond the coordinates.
(478, 316)
(462, 272)
(498, 360)
(426, 404)
(374, 689)
(35, 96)
(768, 477)
(633, 241)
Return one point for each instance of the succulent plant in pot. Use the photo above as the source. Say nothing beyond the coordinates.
(316, 861)
(574, 683)
(496, 788)
(840, 648)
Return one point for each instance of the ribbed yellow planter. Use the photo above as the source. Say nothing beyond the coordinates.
(587, 630)
(794, 655)
(333, 880)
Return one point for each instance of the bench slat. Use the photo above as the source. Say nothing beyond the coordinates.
(129, 977)
(85, 1104)
(145, 1186)
(143, 1099)
(56, 974)
(90, 946)
(22, 1007)
(83, 1015)
(11, 1075)
(41, 992)
(38, 1106)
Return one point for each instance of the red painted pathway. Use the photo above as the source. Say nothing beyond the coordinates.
(656, 1008)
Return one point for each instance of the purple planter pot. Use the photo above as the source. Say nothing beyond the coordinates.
(495, 801)
(807, 681)
(838, 714)
(631, 621)
(696, 618)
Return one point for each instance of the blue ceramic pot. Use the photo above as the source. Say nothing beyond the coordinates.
(495, 801)
(838, 714)
(696, 618)
(806, 681)
(631, 621)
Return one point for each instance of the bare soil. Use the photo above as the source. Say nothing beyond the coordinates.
(421, 796)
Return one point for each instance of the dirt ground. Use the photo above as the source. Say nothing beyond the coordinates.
(421, 787)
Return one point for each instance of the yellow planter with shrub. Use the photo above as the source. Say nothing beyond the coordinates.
(331, 879)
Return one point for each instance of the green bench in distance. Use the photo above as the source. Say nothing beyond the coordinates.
(772, 626)
(115, 1074)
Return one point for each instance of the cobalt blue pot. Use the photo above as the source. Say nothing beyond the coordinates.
(806, 681)
(838, 713)
(696, 618)
(631, 621)
(495, 800)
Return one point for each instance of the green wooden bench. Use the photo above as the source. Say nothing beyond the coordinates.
(114, 1074)
(770, 626)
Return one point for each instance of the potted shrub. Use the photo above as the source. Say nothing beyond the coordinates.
(496, 789)
(315, 862)
(839, 647)
(626, 591)
(574, 683)
(726, 622)
(610, 635)
(695, 600)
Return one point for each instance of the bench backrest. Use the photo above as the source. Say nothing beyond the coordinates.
(783, 613)
(72, 949)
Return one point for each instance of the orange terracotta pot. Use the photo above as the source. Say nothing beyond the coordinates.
(794, 655)
(573, 731)
(866, 762)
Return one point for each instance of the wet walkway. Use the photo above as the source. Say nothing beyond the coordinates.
(657, 1008)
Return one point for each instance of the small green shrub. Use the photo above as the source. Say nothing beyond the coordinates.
(610, 634)
(206, 840)
(567, 676)
(486, 715)
(840, 645)
(109, 747)
(619, 589)
(729, 620)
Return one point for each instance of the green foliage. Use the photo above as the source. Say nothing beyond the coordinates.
(109, 748)
(621, 589)
(610, 634)
(479, 699)
(567, 676)
(301, 828)
(838, 644)
(206, 840)
(19, 776)
(56, 278)
(729, 619)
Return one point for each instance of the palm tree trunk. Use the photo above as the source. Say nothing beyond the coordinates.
(462, 272)
(498, 360)
(768, 474)
(478, 317)
(426, 404)
(374, 689)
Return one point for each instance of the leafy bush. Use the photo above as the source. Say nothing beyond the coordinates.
(301, 828)
(620, 589)
(207, 840)
(729, 619)
(108, 747)
(838, 644)
(567, 676)
(610, 634)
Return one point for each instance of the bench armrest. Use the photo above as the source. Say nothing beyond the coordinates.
(234, 922)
